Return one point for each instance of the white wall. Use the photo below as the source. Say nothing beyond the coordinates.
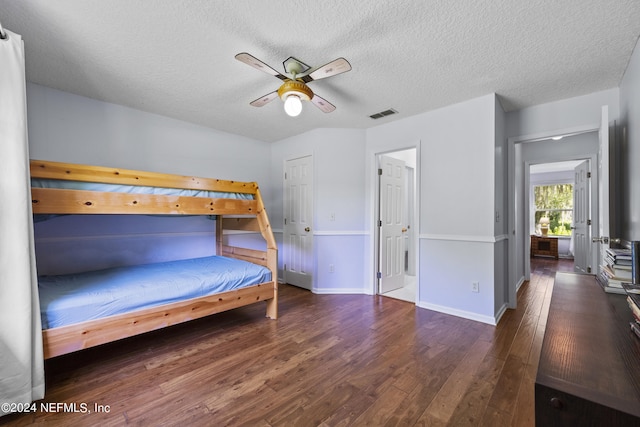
(456, 191)
(500, 224)
(629, 150)
(501, 232)
(70, 128)
(563, 114)
(338, 156)
(457, 163)
(75, 243)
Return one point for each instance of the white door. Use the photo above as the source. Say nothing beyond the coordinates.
(602, 241)
(392, 183)
(298, 235)
(581, 214)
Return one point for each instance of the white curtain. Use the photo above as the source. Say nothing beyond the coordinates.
(21, 360)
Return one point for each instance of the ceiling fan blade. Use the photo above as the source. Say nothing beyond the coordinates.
(322, 104)
(256, 63)
(263, 100)
(335, 67)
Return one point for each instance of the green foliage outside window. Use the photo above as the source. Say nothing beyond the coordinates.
(555, 202)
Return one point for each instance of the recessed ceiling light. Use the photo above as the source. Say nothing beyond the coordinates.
(557, 138)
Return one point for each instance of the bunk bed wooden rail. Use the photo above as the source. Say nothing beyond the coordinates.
(63, 201)
(87, 173)
(253, 218)
(67, 339)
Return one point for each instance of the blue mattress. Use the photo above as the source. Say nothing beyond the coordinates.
(73, 298)
(134, 189)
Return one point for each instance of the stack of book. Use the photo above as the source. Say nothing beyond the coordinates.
(633, 299)
(616, 271)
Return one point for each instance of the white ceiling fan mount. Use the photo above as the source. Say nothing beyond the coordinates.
(294, 66)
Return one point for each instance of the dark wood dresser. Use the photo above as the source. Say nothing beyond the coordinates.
(544, 245)
(589, 370)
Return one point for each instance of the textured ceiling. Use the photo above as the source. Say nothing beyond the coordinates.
(176, 58)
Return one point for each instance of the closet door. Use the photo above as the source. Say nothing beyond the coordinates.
(602, 240)
(581, 214)
(298, 222)
(392, 228)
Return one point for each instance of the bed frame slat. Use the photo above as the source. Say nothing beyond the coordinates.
(50, 200)
(241, 224)
(251, 255)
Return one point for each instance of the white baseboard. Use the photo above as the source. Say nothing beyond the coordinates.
(338, 291)
(500, 312)
(458, 313)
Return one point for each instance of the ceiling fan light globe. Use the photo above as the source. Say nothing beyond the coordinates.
(293, 105)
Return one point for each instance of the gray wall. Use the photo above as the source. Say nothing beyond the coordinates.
(628, 152)
(501, 250)
(457, 192)
(338, 204)
(69, 128)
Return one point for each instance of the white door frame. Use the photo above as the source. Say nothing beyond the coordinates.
(411, 220)
(517, 230)
(604, 197)
(372, 202)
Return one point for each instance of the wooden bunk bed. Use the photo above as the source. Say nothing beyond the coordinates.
(245, 214)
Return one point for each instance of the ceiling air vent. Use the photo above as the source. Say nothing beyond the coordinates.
(382, 114)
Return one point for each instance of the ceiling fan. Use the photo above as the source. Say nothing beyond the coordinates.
(294, 89)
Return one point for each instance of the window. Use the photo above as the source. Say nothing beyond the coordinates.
(554, 201)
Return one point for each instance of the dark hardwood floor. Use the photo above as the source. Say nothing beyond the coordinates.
(329, 360)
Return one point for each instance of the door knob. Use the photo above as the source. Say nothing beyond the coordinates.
(404, 230)
(604, 240)
(307, 229)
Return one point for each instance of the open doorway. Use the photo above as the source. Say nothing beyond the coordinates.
(559, 152)
(589, 141)
(397, 228)
(551, 147)
(559, 211)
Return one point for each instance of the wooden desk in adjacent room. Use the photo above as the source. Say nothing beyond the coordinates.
(589, 370)
(544, 246)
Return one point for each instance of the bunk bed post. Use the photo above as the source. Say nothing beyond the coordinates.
(272, 264)
(219, 229)
(272, 253)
